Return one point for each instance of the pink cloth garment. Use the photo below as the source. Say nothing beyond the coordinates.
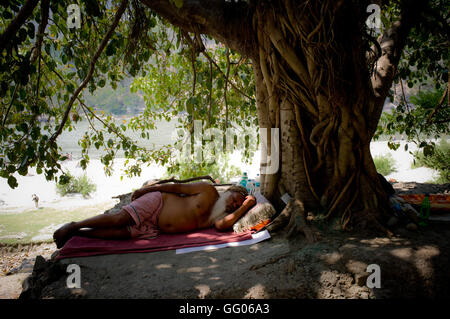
(145, 212)
(85, 246)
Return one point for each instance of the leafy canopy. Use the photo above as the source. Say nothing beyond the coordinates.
(36, 92)
(424, 69)
(181, 77)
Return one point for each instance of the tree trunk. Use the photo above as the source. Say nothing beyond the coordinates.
(313, 83)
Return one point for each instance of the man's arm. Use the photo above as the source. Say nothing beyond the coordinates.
(229, 220)
(188, 189)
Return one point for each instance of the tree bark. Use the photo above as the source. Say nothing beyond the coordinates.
(227, 22)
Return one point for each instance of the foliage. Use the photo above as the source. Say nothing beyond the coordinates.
(385, 164)
(39, 83)
(119, 101)
(426, 56)
(37, 90)
(424, 67)
(187, 86)
(76, 185)
(224, 172)
(438, 160)
(412, 120)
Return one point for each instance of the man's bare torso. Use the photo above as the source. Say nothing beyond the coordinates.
(185, 213)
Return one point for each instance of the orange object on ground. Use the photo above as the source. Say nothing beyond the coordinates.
(261, 225)
(439, 202)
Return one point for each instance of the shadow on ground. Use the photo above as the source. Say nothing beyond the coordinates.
(413, 264)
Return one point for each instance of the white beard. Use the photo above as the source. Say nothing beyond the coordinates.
(219, 209)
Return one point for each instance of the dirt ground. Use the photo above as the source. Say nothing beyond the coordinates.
(412, 263)
(16, 263)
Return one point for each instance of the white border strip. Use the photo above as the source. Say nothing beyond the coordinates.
(256, 238)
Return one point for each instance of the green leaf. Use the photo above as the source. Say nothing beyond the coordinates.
(110, 49)
(101, 83)
(7, 15)
(12, 182)
(428, 150)
(178, 3)
(70, 87)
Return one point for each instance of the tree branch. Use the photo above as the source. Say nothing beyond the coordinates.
(10, 105)
(88, 77)
(36, 51)
(211, 60)
(392, 44)
(25, 12)
(227, 22)
(210, 94)
(226, 88)
(173, 180)
(441, 102)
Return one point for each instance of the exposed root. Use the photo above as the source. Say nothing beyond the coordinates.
(281, 220)
(294, 216)
(366, 219)
(298, 223)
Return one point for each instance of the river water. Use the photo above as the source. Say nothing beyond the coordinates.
(157, 138)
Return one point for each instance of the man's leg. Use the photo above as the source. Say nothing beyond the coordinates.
(103, 221)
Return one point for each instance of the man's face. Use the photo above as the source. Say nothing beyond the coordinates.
(234, 201)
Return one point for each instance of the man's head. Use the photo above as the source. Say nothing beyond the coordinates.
(235, 196)
(228, 201)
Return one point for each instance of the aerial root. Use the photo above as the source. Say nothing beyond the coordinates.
(298, 223)
(281, 220)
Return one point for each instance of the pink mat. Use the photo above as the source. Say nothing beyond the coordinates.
(83, 246)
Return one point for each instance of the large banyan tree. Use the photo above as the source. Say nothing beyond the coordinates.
(322, 75)
(322, 79)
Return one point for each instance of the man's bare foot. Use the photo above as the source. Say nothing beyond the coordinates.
(63, 234)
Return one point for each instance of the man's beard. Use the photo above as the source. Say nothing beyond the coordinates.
(220, 208)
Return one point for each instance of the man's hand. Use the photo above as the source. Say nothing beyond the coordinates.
(249, 201)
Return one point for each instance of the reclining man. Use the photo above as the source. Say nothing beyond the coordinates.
(167, 208)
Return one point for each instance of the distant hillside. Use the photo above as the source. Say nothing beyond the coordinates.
(117, 102)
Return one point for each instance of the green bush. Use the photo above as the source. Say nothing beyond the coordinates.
(75, 185)
(385, 164)
(438, 159)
